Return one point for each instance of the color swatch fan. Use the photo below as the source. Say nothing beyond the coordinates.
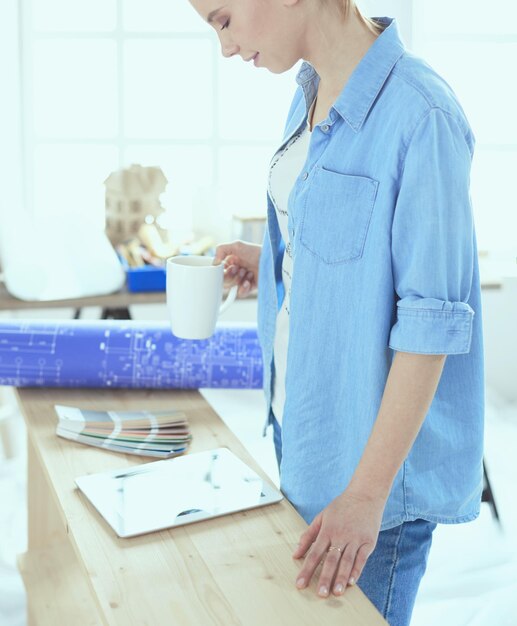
(162, 434)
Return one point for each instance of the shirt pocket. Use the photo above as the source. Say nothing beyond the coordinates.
(336, 215)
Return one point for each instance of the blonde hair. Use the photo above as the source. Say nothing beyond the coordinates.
(344, 8)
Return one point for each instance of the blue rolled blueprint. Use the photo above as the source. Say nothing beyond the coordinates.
(129, 354)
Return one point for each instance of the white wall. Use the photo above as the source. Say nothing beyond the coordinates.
(10, 144)
(401, 10)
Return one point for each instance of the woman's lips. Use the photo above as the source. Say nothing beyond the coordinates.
(255, 58)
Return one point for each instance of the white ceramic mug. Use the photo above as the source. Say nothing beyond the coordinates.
(194, 294)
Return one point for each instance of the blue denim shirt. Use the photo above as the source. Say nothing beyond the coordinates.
(385, 260)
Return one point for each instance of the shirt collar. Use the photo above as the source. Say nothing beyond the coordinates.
(366, 81)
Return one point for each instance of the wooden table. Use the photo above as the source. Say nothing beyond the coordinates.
(231, 570)
(114, 305)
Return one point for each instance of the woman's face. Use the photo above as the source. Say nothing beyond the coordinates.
(265, 31)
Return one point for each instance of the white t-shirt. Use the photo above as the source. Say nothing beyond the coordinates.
(283, 173)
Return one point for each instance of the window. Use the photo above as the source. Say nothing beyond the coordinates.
(10, 122)
(108, 83)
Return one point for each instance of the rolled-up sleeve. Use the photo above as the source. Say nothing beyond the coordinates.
(433, 243)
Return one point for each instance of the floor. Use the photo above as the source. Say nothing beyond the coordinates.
(472, 573)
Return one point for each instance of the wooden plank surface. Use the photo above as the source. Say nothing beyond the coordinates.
(231, 570)
(119, 299)
(59, 593)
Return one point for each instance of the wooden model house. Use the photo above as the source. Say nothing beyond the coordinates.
(132, 194)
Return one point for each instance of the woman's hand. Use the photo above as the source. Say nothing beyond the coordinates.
(241, 263)
(351, 523)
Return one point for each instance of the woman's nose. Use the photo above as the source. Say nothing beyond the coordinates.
(228, 50)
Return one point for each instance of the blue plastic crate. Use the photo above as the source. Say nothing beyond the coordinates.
(146, 278)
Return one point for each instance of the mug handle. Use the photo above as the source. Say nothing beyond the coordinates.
(230, 299)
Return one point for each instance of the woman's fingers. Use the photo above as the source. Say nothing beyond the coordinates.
(346, 533)
(247, 284)
(312, 560)
(221, 252)
(235, 275)
(340, 567)
(350, 567)
(244, 289)
(330, 566)
(225, 256)
(362, 556)
(234, 269)
(341, 572)
(225, 250)
(230, 274)
(240, 262)
(308, 538)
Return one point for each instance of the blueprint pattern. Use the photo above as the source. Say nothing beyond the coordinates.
(113, 353)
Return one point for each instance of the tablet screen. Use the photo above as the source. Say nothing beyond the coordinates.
(162, 494)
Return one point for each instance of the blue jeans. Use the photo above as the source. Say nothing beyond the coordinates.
(392, 574)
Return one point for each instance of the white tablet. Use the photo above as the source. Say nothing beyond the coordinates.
(190, 488)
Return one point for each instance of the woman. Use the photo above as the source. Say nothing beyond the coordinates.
(369, 296)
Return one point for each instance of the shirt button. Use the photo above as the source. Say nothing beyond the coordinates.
(325, 128)
(305, 176)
